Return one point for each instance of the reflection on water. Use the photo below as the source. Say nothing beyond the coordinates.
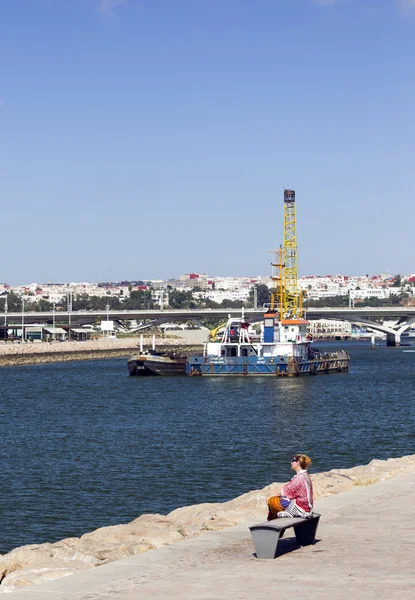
(85, 446)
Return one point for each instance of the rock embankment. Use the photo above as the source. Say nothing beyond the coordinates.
(42, 562)
(12, 354)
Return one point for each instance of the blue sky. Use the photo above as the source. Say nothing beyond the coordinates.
(147, 138)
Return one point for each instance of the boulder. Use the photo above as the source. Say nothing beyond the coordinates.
(38, 572)
(332, 482)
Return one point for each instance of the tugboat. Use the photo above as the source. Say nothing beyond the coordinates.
(284, 350)
(151, 362)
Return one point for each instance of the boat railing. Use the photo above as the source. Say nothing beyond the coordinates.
(338, 354)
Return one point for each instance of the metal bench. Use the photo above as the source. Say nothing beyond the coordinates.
(267, 535)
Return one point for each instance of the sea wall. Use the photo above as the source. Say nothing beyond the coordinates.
(36, 563)
(46, 352)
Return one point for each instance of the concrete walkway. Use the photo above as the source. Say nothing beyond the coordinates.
(365, 549)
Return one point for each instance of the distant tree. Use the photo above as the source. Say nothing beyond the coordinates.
(139, 300)
(369, 301)
(179, 299)
(232, 303)
(212, 323)
(80, 302)
(397, 282)
(334, 301)
(396, 299)
(14, 302)
(263, 296)
(86, 302)
(206, 303)
(44, 306)
(392, 300)
(115, 302)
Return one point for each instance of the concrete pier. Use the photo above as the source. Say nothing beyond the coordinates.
(365, 548)
(393, 339)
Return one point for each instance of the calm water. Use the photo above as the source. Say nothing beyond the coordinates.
(83, 445)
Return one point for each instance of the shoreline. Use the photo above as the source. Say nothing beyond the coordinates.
(49, 352)
(36, 563)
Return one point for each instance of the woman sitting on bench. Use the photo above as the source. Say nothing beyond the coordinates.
(296, 498)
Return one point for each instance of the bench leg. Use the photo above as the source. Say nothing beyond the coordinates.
(266, 542)
(305, 533)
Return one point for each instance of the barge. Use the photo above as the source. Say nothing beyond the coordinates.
(151, 362)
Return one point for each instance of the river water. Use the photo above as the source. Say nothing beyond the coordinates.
(83, 445)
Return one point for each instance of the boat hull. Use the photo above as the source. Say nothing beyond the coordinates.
(140, 365)
(266, 366)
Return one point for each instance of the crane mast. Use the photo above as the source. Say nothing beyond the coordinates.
(287, 292)
(292, 299)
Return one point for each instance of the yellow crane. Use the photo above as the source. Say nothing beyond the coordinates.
(293, 305)
(287, 295)
(214, 332)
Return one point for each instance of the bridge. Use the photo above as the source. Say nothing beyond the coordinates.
(401, 316)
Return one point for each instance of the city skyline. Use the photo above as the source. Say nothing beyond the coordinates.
(382, 276)
(141, 138)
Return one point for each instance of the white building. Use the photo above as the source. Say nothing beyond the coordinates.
(232, 283)
(321, 328)
(219, 296)
(160, 297)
